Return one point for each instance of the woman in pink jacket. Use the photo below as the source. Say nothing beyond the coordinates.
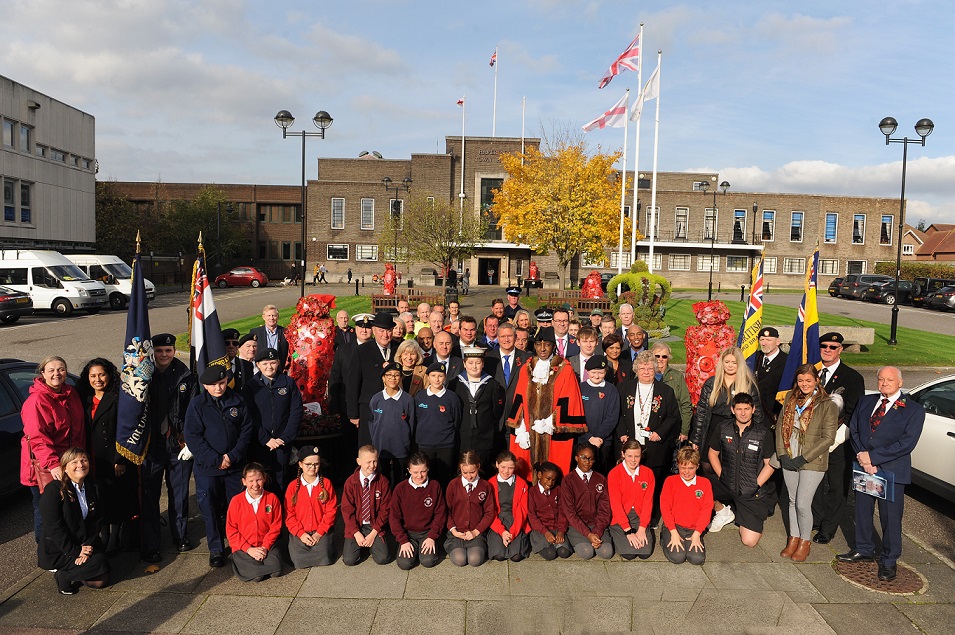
(52, 423)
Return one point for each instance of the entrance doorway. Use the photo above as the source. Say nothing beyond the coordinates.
(489, 271)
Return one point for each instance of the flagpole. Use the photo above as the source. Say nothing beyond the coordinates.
(623, 183)
(635, 215)
(494, 115)
(656, 147)
(523, 113)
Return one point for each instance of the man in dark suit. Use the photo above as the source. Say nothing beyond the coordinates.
(344, 334)
(625, 313)
(504, 364)
(489, 339)
(884, 430)
(337, 402)
(566, 343)
(443, 354)
(637, 339)
(271, 335)
(829, 504)
(364, 374)
(770, 363)
(241, 370)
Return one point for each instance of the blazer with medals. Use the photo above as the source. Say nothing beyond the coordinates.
(853, 388)
(664, 419)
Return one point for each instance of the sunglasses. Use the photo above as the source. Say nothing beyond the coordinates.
(662, 356)
(232, 342)
(832, 347)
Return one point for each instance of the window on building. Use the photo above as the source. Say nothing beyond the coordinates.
(263, 250)
(739, 225)
(657, 259)
(7, 134)
(769, 264)
(9, 201)
(368, 213)
(401, 256)
(655, 213)
(336, 252)
(794, 265)
(338, 213)
(623, 259)
(858, 229)
(25, 134)
(487, 208)
(286, 250)
(397, 215)
(273, 250)
(703, 263)
(795, 227)
(832, 227)
(769, 225)
(698, 186)
(298, 250)
(680, 228)
(679, 262)
(709, 224)
(829, 266)
(56, 155)
(26, 207)
(596, 263)
(41, 151)
(366, 253)
(87, 164)
(263, 213)
(855, 266)
(288, 214)
(736, 264)
(908, 250)
(430, 199)
(74, 161)
(885, 234)
(626, 211)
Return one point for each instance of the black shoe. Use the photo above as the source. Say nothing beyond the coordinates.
(822, 538)
(216, 560)
(185, 545)
(886, 574)
(152, 557)
(64, 586)
(854, 556)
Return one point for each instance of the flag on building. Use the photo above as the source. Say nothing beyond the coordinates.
(651, 91)
(206, 346)
(494, 58)
(805, 345)
(132, 424)
(616, 117)
(628, 60)
(748, 340)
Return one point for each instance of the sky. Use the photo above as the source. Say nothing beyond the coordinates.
(775, 96)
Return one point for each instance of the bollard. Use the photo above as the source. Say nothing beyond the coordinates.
(742, 292)
(719, 287)
(356, 287)
(363, 282)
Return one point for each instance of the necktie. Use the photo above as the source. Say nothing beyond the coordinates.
(345, 336)
(366, 503)
(586, 478)
(469, 488)
(561, 347)
(765, 363)
(386, 353)
(876, 417)
(507, 369)
(824, 376)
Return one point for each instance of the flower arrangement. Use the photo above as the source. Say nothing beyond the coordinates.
(311, 338)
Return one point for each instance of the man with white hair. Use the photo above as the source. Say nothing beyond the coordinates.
(625, 313)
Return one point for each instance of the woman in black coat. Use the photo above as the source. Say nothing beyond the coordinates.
(71, 509)
(115, 476)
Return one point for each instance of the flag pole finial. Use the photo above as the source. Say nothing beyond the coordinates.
(137, 242)
(200, 240)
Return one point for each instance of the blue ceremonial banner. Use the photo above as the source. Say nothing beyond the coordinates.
(805, 345)
(207, 347)
(132, 431)
(748, 340)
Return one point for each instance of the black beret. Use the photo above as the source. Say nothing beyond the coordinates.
(230, 334)
(266, 353)
(832, 337)
(388, 367)
(769, 332)
(437, 367)
(307, 451)
(164, 339)
(596, 362)
(546, 334)
(248, 337)
(213, 374)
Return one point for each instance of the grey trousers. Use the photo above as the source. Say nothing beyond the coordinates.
(802, 486)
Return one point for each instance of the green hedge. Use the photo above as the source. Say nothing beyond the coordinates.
(913, 270)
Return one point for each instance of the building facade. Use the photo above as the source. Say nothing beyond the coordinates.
(48, 169)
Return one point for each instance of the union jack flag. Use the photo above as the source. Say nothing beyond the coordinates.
(748, 340)
(494, 58)
(628, 60)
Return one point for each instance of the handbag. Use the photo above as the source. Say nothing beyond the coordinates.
(41, 475)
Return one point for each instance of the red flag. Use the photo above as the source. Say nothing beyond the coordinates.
(627, 61)
(461, 102)
(616, 117)
(494, 58)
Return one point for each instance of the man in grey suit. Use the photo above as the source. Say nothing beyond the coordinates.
(271, 335)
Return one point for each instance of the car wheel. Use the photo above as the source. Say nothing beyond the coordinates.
(117, 301)
(890, 299)
(62, 307)
(9, 319)
(222, 284)
(255, 284)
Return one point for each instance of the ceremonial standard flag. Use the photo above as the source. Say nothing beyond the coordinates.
(805, 345)
(651, 91)
(207, 348)
(494, 58)
(753, 319)
(628, 60)
(616, 117)
(132, 432)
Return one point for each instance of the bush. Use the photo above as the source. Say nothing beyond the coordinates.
(649, 305)
(913, 270)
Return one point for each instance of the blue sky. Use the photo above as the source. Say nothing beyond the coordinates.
(776, 96)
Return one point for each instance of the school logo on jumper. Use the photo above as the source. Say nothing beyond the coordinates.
(428, 502)
(283, 391)
(482, 496)
(423, 405)
(698, 493)
(377, 494)
(643, 485)
(268, 509)
(233, 412)
(600, 487)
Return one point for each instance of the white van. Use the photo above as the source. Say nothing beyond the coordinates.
(51, 280)
(115, 275)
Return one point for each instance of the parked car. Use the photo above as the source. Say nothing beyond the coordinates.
(16, 377)
(943, 299)
(885, 293)
(854, 284)
(925, 286)
(932, 464)
(13, 304)
(241, 277)
(834, 287)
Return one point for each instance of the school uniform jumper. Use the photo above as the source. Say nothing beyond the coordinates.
(250, 526)
(467, 511)
(437, 425)
(631, 504)
(685, 508)
(379, 494)
(544, 514)
(602, 410)
(586, 505)
(307, 513)
(391, 427)
(418, 513)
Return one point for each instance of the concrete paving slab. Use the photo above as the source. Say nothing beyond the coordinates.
(941, 584)
(572, 577)
(366, 580)
(238, 615)
(657, 617)
(837, 590)
(180, 575)
(651, 580)
(448, 582)
(40, 605)
(726, 546)
(328, 616)
(223, 581)
(150, 612)
(931, 619)
(736, 608)
(799, 618)
(781, 576)
(852, 619)
(542, 615)
(913, 554)
(421, 617)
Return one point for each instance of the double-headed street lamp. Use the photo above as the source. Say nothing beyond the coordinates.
(322, 121)
(396, 210)
(704, 185)
(923, 128)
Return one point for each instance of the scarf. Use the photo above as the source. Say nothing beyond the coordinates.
(799, 408)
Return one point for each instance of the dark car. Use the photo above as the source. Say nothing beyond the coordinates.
(16, 377)
(834, 287)
(604, 279)
(855, 284)
(13, 304)
(885, 293)
(926, 286)
(943, 299)
(242, 277)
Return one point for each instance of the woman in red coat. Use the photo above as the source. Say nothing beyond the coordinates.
(253, 524)
(310, 510)
(52, 423)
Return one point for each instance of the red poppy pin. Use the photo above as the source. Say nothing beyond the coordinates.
(630, 401)
(656, 403)
(600, 394)
(442, 408)
(404, 415)
(899, 403)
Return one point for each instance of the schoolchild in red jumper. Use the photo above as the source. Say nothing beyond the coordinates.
(686, 503)
(631, 503)
(366, 501)
(586, 505)
(253, 524)
(418, 514)
(547, 521)
(507, 539)
(470, 513)
(310, 510)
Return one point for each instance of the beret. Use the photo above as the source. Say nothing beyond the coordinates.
(596, 362)
(266, 353)
(769, 332)
(164, 339)
(213, 374)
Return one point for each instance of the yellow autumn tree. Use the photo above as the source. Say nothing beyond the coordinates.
(562, 201)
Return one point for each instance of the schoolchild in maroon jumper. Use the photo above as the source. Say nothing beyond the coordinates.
(470, 513)
(586, 505)
(547, 521)
(507, 539)
(418, 514)
(366, 500)
(686, 503)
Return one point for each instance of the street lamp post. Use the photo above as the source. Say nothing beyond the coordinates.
(923, 128)
(755, 209)
(322, 121)
(228, 210)
(396, 210)
(704, 185)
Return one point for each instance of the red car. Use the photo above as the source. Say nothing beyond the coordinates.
(242, 276)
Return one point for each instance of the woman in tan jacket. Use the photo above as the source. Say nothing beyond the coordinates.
(805, 430)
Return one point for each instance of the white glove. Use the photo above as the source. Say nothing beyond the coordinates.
(523, 437)
(544, 426)
(185, 454)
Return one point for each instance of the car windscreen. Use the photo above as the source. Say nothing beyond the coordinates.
(68, 273)
(121, 270)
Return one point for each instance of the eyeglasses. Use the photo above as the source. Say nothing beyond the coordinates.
(661, 356)
(832, 347)
(585, 458)
(310, 465)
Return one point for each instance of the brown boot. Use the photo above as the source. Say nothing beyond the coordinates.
(802, 551)
(790, 547)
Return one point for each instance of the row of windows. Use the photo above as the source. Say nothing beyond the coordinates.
(274, 250)
(19, 136)
(12, 205)
(363, 253)
(735, 264)
(366, 219)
